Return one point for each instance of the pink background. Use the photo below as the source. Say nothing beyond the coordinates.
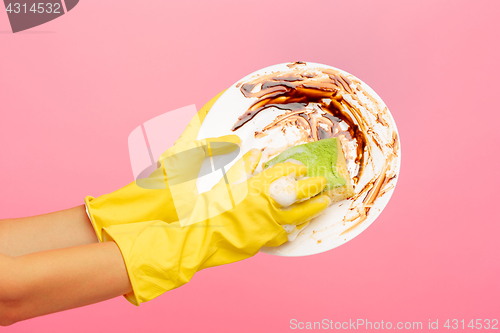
(73, 89)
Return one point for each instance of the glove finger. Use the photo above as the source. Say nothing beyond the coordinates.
(184, 160)
(193, 128)
(293, 233)
(302, 212)
(284, 169)
(221, 145)
(309, 187)
(189, 151)
(242, 169)
(183, 168)
(302, 225)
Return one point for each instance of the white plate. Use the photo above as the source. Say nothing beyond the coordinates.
(332, 228)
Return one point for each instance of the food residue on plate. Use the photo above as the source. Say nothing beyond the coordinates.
(318, 103)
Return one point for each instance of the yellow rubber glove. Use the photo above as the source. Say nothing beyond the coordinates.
(160, 256)
(152, 198)
(191, 131)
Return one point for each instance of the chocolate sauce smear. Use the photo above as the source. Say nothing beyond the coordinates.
(325, 103)
(293, 91)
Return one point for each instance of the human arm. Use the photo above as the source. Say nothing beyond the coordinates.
(46, 282)
(57, 230)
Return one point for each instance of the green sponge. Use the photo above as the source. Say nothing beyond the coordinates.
(323, 158)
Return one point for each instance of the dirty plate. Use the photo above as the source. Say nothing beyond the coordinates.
(289, 104)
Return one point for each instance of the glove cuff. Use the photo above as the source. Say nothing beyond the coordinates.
(95, 224)
(160, 257)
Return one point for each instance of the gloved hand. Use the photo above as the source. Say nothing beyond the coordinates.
(152, 198)
(162, 256)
